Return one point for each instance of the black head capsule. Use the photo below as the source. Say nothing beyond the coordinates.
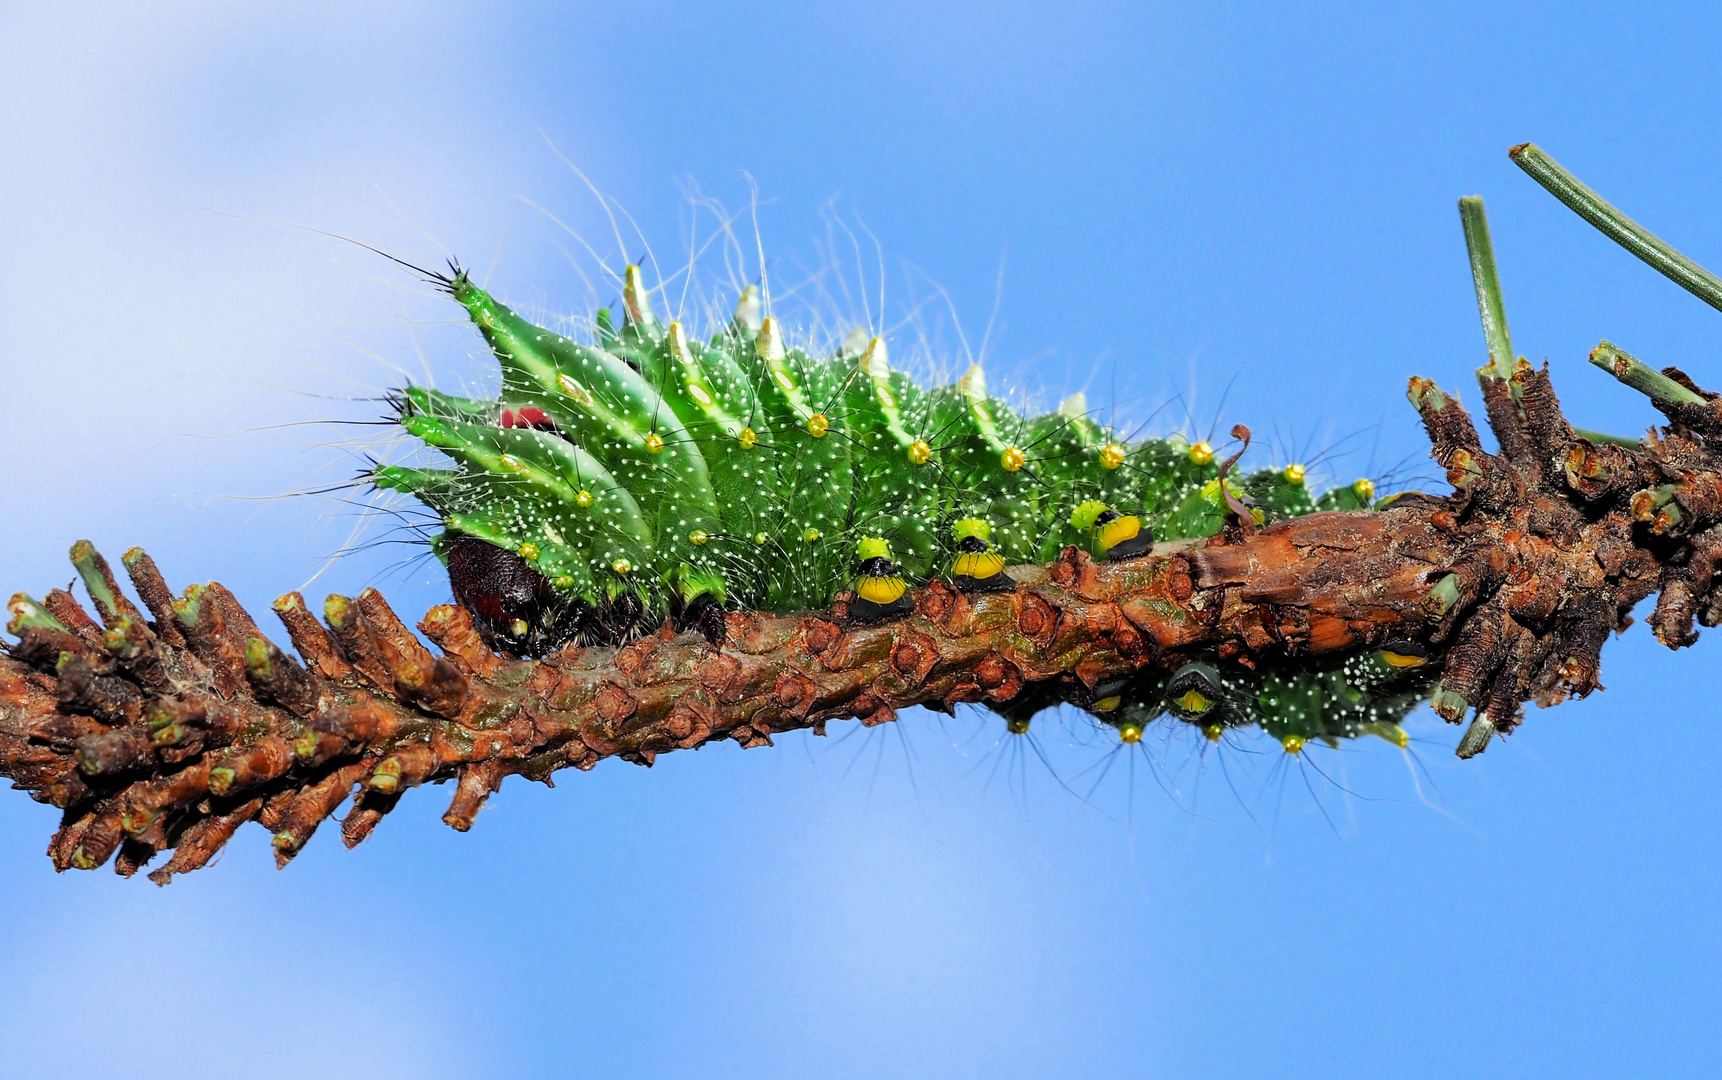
(976, 567)
(513, 606)
(880, 593)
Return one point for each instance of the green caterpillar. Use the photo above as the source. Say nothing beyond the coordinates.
(1367, 693)
(651, 473)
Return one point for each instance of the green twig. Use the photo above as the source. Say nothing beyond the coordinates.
(1488, 285)
(1641, 376)
(1604, 437)
(1624, 231)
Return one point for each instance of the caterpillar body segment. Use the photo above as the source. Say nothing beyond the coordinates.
(657, 474)
(1365, 693)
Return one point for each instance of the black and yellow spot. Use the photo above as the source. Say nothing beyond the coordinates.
(881, 590)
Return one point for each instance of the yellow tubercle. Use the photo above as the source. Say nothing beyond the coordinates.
(1112, 455)
(747, 438)
(1293, 744)
(1294, 474)
(761, 538)
(880, 590)
(1118, 530)
(1013, 459)
(1201, 453)
(818, 425)
(920, 453)
(978, 565)
(811, 534)
(529, 551)
(698, 536)
(1403, 660)
(622, 566)
(1130, 733)
(583, 499)
(564, 581)
(1195, 702)
(1365, 488)
(1213, 732)
(655, 442)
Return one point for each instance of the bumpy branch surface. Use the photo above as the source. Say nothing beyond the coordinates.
(170, 730)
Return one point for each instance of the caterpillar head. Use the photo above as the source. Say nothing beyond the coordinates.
(513, 606)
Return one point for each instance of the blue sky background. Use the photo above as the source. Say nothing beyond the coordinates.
(1262, 195)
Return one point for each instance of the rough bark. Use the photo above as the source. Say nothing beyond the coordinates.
(169, 731)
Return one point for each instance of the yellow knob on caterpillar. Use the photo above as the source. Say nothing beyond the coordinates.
(1013, 459)
(1213, 732)
(977, 564)
(747, 438)
(1365, 489)
(1130, 733)
(880, 590)
(698, 536)
(655, 442)
(1193, 692)
(880, 593)
(1112, 455)
(1120, 529)
(1193, 702)
(811, 534)
(622, 566)
(583, 499)
(919, 452)
(1294, 474)
(976, 567)
(818, 425)
(1201, 453)
(1292, 743)
(529, 551)
(1117, 536)
(1404, 654)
